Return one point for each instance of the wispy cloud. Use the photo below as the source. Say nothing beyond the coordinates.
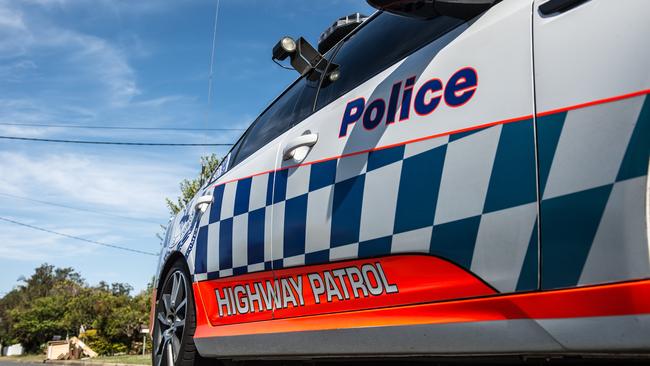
(14, 35)
(87, 54)
(41, 246)
(125, 185)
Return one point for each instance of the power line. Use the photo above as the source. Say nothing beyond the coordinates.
(77, 238)
(109, 142)
(119, 127)
(76, 208)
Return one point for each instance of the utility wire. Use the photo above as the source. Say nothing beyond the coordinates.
(109, 142)
(76, 237)
(118, 127)
(76, 208)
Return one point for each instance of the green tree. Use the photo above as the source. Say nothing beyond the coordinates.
(189, 187)
(10, 301)
(37, 323)
(34, 311)
(56, 301)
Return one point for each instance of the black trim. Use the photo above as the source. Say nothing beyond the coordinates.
(554, 7)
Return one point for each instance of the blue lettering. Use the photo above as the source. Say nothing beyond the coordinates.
(353, 111)
(378, 106)
(420, 105)
(458, 90)
(461, 87)
(406, 99)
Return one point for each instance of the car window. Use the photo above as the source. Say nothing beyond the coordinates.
(226, 161)
(385, 40)
(289, 109)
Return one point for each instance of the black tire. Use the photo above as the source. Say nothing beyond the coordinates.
(175, 320)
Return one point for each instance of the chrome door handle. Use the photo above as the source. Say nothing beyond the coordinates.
(203, 202)
(307, 140)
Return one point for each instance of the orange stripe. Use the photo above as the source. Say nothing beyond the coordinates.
(476, 127)
(152, 310)
(596, 102)
(628, 298)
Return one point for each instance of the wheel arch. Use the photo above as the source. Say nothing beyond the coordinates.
(169, 262)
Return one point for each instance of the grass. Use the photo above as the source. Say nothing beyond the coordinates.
(125, 359)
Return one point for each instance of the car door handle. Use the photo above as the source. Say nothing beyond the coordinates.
(203, 202)
(559, 6)
(307, 140)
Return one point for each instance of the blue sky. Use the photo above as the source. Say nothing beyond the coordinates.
(126, 63)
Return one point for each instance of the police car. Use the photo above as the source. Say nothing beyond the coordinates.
(449, 177)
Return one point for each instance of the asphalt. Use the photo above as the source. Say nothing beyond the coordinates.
(14, 363)
(642, 360)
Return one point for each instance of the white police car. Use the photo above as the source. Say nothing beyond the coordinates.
(454, 177)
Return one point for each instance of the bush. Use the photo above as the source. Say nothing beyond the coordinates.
(58, 302)
(100, 345)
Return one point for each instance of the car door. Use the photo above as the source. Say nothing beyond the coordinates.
(593, 120)
(232, 258)
(420, 185)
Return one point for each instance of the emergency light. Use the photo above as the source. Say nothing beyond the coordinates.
(339, 30)
(426, 9)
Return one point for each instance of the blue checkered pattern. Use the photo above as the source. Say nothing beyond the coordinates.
(469, 198)
(593, 180)
(394, 200)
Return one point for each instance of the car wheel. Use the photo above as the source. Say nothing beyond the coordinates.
(175, 321)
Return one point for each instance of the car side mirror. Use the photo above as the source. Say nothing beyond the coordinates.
(426, 9)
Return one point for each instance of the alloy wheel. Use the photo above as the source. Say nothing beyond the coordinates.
(170, 318)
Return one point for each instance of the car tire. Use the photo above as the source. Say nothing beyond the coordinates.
(175, 320)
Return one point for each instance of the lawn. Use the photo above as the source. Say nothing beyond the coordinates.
(124, 359)
(128, 359)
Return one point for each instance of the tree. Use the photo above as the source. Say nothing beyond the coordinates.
(44, 279)
(39, 321)
(189, 187)
(57, 301)
(34, 311)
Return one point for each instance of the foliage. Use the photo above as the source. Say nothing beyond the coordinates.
(189, 187)
(56, 301)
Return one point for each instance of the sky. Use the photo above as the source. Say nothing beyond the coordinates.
(126, 63)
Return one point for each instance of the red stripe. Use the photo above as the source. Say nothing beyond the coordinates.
(152, 309)
(595, 102)
(476, 127)
(629, 298)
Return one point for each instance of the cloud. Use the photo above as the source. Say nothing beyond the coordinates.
(14, 35)
(41, 246)
(98, 60)
(160, 101)
(91, 57)
(122, 184)
(11, 19)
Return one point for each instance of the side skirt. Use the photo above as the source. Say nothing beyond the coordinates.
(626, 334)
(603, 319)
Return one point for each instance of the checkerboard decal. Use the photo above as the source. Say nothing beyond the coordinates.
(469, 197)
